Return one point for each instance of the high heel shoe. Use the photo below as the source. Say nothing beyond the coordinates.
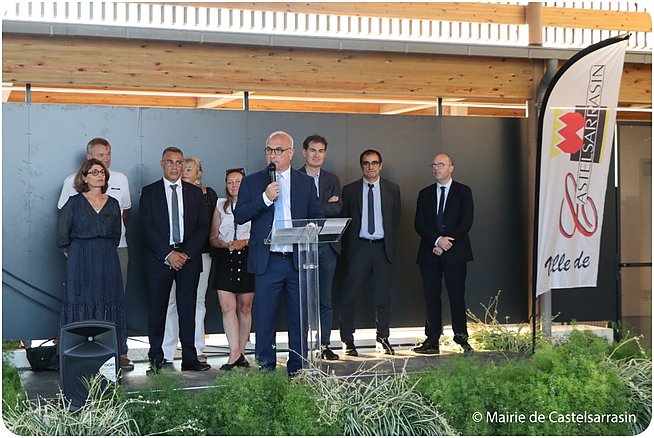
(240, 362)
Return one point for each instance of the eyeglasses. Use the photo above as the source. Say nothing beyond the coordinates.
(277, 151)
(235, 170)
(171, 163)
(370, 163)
(96, 172)
(438, 165)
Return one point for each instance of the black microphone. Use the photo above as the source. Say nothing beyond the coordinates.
(271, 172)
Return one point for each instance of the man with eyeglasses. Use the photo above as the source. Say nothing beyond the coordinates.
(100, 149)
(271, 203)
(374, 205)
(444, 216)
(314, 149)
(175, 226)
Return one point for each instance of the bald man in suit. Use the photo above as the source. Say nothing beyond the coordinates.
(444, 216)
(270, 205)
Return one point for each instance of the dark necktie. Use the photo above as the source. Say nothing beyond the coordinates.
(441, 208)
(371, 210)
(175, 208)
(235, 224)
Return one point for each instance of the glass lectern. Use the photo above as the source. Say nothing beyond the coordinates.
(307, 234)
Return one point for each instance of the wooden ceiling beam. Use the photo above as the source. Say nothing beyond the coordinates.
(83, 62)
(104, 99)
(636, 84)
(596, 19)
(6, 91)
(395, 108)
(208, 102)
(456, 12)
(174, 66)
(443, 11)
(318, 107)
(78, 98)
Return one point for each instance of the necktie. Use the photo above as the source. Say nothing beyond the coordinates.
(441, 208)
(235, 224)
(175, 208)
(279, 204)
(371, 210)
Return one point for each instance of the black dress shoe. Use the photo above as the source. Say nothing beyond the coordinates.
(349, 348)
(427, 347)
(467, 349)
(155, 367)
(195, 366)
(384, 346)
(328, 354)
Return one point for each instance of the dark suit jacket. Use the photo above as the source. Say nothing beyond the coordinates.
(391, 207)
(329, 186)
(156, 228)
(457, 219)
(250, 207)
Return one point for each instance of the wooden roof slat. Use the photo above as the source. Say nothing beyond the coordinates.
(485, 13)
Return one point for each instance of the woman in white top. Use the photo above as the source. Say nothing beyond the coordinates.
(234, 284)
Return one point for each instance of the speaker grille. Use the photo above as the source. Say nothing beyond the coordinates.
(86, 349)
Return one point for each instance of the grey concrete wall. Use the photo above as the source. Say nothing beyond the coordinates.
(42, 144)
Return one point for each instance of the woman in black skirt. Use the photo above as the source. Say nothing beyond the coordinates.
(234, 284)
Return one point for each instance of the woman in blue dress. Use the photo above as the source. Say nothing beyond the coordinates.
(88, 234)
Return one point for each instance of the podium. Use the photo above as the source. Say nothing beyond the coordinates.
(308, 234)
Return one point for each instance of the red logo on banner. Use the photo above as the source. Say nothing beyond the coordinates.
(582, 220)
(572, 141)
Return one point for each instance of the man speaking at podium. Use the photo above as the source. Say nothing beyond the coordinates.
(270, 198)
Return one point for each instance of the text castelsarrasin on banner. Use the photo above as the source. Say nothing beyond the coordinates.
(576, 135)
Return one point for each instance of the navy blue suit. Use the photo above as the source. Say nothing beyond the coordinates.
(327, 252)
(156, 238)
(452, 264)
(273, 273)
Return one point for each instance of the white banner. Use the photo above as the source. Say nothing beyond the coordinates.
(576, 132)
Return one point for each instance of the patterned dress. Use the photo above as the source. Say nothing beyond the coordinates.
(94, 285)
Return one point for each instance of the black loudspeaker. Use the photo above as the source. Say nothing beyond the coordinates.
(86, 348)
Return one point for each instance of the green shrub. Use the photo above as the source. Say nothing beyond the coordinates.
(12, 390)
(242, 402)
(376, 405)
(566, 379)
(491, 334)
(104, 414)
(161, 405)
(634, 368)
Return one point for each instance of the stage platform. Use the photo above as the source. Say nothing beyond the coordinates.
(47, 383)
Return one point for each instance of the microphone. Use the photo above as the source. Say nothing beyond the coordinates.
(271, 172)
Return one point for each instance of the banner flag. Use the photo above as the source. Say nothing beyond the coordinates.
(575, 135)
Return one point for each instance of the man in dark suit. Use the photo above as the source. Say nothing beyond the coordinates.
(175, 226)
(443, 219)
(271, 205)
(314, 149)
(374, 205)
